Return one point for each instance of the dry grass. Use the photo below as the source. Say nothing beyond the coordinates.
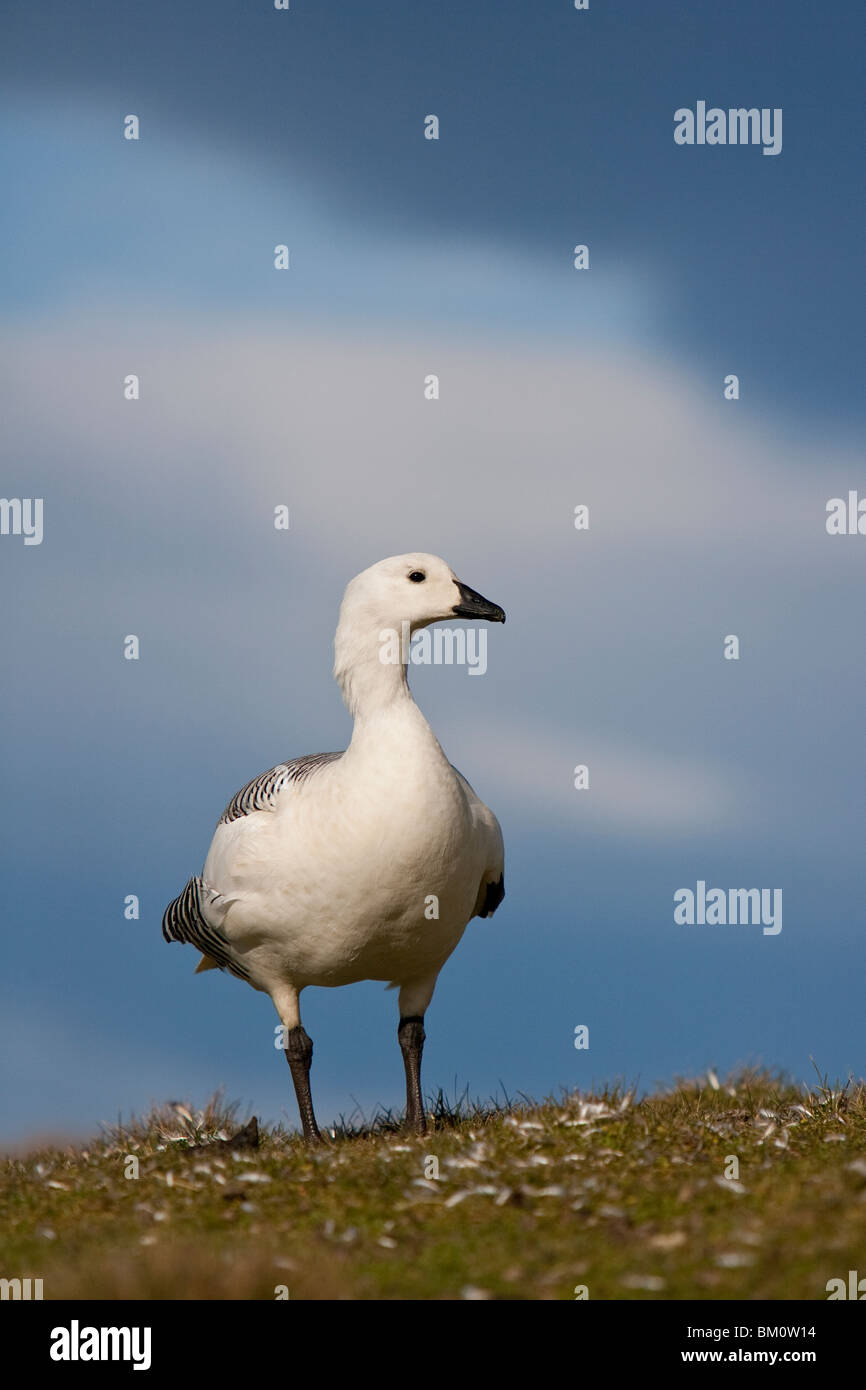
(627, 1197)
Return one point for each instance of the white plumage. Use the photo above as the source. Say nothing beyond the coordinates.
(365, 865)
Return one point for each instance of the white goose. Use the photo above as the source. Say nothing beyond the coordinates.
(330, 869)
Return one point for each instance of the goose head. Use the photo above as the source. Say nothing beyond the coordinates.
(416, 588)
(396, 597)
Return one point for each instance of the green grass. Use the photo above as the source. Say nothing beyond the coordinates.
(626, 1197)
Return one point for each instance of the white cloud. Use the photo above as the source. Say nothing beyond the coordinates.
(632, 789)
(158, 518)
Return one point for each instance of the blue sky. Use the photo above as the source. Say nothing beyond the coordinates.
(558, 387)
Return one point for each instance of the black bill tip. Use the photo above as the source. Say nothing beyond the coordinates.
(473, 605)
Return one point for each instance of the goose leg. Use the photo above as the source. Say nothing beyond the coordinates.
(410, 1035)
(299, 1055)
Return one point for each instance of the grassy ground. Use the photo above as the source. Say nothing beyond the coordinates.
(629, 1199)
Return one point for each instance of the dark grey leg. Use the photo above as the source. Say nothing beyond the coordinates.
(299, 1055)
(410, 1035)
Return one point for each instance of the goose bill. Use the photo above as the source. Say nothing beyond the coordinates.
(474, 605)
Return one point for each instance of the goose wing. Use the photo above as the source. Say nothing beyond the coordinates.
(196, 916)
(491, 889)
(262, 792)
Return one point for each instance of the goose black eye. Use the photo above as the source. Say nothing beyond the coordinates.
(417, 576)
